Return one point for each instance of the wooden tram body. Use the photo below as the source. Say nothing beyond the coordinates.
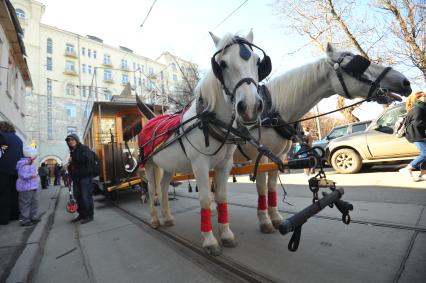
(110, 126)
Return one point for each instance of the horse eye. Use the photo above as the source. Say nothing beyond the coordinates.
(222, 64)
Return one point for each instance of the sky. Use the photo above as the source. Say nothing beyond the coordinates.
(182, 26)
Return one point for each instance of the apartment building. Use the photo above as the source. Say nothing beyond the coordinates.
(14, 73)
(71, 71)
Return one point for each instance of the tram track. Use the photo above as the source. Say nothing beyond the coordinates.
(230, 270)
(414, 228)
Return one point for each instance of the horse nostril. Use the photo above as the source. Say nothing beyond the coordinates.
(241, 107)
(260, 106)
(406, 83)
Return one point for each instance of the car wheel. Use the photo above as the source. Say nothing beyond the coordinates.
(346, 161)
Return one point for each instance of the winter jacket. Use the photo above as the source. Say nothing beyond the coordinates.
(416, 123)
(12, 153)
(27, 175)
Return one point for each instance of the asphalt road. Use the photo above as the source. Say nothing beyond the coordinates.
(386, 241)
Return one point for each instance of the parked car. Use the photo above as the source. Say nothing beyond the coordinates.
(341, 131)
(376, 145)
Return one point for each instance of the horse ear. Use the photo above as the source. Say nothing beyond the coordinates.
(329, 48)
(249, 36)
(215, 38)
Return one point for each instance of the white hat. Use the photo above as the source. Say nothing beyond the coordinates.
(30, 152)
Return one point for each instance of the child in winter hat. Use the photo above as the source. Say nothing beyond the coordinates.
(27, 186)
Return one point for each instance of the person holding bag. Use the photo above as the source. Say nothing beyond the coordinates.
(416, 133)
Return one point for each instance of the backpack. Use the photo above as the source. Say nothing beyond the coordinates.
(96, 165)
(400, 127)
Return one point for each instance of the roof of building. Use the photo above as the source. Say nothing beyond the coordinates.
(14, 33)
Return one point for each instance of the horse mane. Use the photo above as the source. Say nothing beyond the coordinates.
(209, 88)
(303, 79)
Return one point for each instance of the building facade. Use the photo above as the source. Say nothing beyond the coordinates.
(14, 73)
(71, 71)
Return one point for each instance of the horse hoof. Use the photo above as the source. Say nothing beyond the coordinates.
(155, 224)
(228, 243)
(267, 228)
(213, 250)
(277, 223)
(169, 223)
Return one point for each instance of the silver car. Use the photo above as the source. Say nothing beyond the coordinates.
(376, 145)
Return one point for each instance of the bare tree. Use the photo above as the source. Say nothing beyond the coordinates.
(384, 31)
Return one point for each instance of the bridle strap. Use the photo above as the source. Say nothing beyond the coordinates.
(239, 83)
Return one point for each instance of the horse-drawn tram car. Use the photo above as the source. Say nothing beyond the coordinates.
(111, 132)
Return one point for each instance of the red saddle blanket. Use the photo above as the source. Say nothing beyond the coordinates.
(151, 135)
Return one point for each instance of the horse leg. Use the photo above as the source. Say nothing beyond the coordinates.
(227, 238)
(274, 215)
(153, 174)
(201, 173)
(262, 211)
(165, 207)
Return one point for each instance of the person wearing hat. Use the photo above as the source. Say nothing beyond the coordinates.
(81, 171)
(27, 186)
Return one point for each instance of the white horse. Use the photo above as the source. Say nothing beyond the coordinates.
(296, 92)
(230, 90)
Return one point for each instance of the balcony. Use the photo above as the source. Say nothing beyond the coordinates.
(125, 68)
(70, 53)
(108, 80)
(70, 72)
(107, 64)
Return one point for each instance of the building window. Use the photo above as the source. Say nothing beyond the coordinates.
(174, 67)
(70, 89)
(107, 75)
(151, 71)
(49, 66)
(89, 53)
(83, 91)
(139, 81)
(89, 69)
(94, 54)
(124, 79)
(49, 86)
(69, 66)
(83, 51)
(107, 94)
(134, 66)
(161, 75)
(71, 130)
(174, 77)
(124, 64)
(71, 111)
(141, 68)
(83, 68)
(49, 46)
(20, 13)
(69, 48)
(107, 59)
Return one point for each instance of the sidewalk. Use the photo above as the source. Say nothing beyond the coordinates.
(22, 246)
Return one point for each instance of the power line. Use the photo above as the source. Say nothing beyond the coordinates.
(150, 9)
(227, 17)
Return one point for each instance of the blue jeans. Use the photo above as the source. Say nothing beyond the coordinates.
(82, 189)
(421, 145)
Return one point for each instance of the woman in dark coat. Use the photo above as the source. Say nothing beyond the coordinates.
(416, 134)
(11, 146)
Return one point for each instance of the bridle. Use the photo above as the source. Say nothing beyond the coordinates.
(356, 68)
(264, 66)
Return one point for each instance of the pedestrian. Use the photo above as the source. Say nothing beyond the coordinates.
(308, 140)
(57, 173)
(11, 152)
(27, 186)
(43, 172)
(81, 171)
(416, 133)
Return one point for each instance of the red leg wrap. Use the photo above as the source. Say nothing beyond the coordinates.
(222, 213)
(261, 203)
(272, 199)
(206, 225)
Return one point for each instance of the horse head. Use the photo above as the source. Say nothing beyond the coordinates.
(357, 76)
(239, 70)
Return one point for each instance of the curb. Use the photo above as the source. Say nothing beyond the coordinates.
(29, 259)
